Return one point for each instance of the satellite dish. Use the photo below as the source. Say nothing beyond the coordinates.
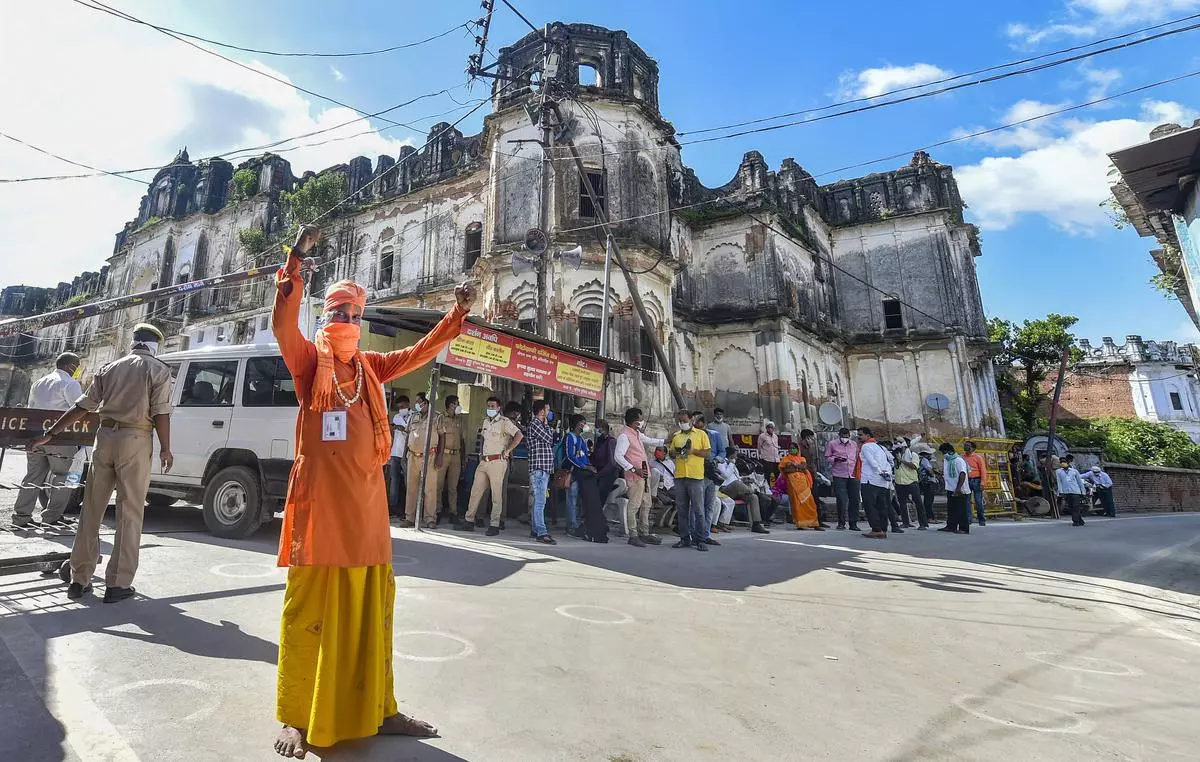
(938, 402)
(829, 413)
(522, 264)
(536, 241)
(573, 257)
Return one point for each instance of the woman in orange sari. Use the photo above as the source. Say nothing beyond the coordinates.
(799, 486)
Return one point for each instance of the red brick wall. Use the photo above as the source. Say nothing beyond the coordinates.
(1154, 487)
(1102, 392)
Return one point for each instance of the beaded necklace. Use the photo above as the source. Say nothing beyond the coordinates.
(358, 383)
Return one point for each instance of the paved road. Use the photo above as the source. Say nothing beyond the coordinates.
(1031, 641)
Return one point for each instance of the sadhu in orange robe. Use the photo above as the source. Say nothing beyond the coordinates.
(335, 648)
(799, 487)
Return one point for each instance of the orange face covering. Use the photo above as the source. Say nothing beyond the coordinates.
(340, 341)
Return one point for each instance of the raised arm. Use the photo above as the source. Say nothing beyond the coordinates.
(299, 354)
(390, 365)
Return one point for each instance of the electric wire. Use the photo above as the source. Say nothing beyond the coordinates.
(944, 80)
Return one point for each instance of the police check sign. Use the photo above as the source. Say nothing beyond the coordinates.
(488, 351)
(19, 425)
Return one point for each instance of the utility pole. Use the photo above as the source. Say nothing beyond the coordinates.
(605, 307)
(1062, 372)
(604, 232)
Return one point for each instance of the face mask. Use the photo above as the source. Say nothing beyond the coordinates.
(845, 439)
(453, 409)
(720, 418)
(404, 409)
(586, 429)
(794, 451)
(420, 407)
(151, 346)
(492, 413)
(77, 374)
(549, 416)
(640, 425)
(343, 339)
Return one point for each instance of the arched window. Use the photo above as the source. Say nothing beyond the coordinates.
(474, 245)
(387, 266)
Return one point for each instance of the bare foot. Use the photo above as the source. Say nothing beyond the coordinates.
(402, 725)
(290, 743)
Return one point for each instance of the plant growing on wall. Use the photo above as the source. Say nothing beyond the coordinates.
(253, 240)
(1170, 278)
(245, 184)
(316, 197)
(1029, 352)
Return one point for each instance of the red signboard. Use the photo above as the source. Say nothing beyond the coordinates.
(484, 350)
(19, 425)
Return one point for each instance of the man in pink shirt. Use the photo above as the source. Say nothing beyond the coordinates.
(842, 454)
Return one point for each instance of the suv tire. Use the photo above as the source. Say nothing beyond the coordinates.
(233, 503)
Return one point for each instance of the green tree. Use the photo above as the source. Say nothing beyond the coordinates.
(1131, 440)
(245, 184)
(315, 198)
(1029, 351)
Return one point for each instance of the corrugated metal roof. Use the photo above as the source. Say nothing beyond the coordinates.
(1152, 169)
(419, 319)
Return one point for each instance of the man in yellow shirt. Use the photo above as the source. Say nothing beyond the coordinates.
(689, 447)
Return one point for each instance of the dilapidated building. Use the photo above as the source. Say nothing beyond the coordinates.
(772, 294)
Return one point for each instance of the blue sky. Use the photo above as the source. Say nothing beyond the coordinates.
(125, 96)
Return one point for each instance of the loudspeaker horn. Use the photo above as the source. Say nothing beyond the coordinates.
(523, 264)
(573, 257)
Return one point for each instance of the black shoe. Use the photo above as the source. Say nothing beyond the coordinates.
(682, 544)
(854, 527)
(463, 526)
(77, 590)
(897, 530)
(983, 523)
(546, 540)
(701, 546)
(907, 526)
(493, 531)
(945, 529)
(651, 539)
(759, 529)
(711, 541)
(636, 542)
(841, 527)
(114, 594)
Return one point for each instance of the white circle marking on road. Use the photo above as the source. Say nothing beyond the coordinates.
(466, 647)
(569, 611)
(1087, 664)
(712, 598)
(403, 560)
(1068, 722)
(201, 713)
(258, 570)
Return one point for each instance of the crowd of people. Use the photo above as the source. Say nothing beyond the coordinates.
(592, 478)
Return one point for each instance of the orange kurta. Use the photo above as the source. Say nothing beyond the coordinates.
(336, 512)
(799, 486)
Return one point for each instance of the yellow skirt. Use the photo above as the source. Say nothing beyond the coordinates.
(335, 652)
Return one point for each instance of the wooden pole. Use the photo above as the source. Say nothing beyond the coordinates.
(1050, 483)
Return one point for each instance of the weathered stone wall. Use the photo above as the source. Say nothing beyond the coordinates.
(1154, 487)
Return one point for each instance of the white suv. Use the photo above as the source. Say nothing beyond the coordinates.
(233, 433)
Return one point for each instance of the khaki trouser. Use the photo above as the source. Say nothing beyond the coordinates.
(449, 478)
(488, 476)
(48, 466)
(121, 460)
(433, 480)
(740, 490)
(637, 512)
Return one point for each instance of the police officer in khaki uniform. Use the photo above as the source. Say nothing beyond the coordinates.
(500, 437)
(453, 454)
(132, 396)
(418, 450)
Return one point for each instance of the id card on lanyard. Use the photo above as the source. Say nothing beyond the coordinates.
(333, 426)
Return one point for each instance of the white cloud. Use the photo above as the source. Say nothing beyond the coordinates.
(116, 95)
(337, 73)
(1089, 18)
(1063, 177)
(1099, 81)
(870, 83)
(1185, 333)
(1030, 36)
(1027, 136)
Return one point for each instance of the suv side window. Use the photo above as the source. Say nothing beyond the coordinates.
(268, 384)
(209, 384)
